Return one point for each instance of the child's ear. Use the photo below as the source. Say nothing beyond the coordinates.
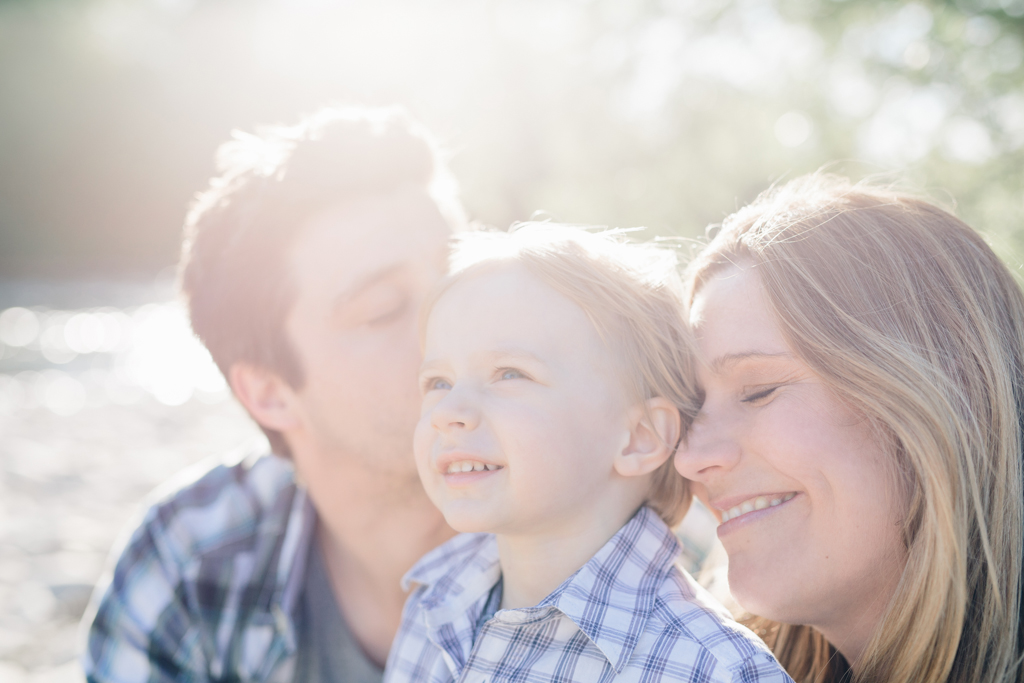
(267, 397)
(653, 436)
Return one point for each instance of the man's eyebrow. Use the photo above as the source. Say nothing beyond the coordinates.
(364, 282)
(731, 359)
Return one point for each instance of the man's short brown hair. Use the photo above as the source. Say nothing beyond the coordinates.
(233, 270)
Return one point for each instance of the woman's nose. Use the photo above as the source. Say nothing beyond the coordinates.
(710, 448)
(457, 410)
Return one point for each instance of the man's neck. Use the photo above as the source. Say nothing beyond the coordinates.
(373, 528)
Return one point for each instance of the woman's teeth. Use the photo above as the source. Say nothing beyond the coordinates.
(470, 466)
(759, 503)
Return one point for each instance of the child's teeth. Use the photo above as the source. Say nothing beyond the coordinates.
(469, 466)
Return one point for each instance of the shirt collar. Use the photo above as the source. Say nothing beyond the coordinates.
(610, 598)
(284, 535)
(291, 569)
(457, 573)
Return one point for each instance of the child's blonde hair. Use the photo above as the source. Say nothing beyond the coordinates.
(633, 295)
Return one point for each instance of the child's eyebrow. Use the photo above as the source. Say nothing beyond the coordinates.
(511, 353)
(492, 356)
(429, 365)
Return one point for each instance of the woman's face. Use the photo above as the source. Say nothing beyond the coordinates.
(810, 516)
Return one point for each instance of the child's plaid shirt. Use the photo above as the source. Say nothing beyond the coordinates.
(630, 614)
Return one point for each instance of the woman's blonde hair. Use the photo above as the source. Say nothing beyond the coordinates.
(633, 295)
(906, 313)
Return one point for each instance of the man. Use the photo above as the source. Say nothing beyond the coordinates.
(304, 265)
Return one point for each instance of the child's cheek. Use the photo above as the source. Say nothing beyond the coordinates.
(423, 446)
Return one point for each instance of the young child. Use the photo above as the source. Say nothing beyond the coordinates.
(555, 388)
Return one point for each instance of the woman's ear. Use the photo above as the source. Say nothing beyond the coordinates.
(654, 432)
(267, 397)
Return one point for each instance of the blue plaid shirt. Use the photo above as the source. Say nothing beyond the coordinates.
(208, 585)
(630, 614)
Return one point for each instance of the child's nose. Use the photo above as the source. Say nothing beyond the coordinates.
(457, 410)
(709, 448)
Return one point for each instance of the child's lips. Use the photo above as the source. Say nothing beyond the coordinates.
(462, 479)
(460, 469)
(469, 465)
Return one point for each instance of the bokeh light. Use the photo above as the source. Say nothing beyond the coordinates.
(18, 326)
(148, 351)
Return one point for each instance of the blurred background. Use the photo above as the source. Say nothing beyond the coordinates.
(666, 114)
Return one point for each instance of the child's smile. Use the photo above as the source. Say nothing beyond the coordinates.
(464, 469)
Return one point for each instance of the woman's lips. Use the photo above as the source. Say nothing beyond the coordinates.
(757, 503)
(753, 509)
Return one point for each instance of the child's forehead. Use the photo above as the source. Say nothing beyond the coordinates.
(498, 278)
(506, 285)
(510, 306)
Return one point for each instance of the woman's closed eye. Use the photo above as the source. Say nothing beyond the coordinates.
(760, 394)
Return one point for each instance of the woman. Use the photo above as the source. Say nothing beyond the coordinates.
(862, 367)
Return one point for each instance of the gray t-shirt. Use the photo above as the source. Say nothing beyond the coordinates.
(328, 652)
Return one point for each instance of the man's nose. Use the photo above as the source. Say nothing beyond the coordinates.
(457, 410)
(710, 448)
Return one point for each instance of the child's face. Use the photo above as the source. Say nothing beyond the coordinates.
(523, 411)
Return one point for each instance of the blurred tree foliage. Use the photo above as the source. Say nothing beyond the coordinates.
(667, 114)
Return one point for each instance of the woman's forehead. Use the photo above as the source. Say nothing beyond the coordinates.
(731, 318)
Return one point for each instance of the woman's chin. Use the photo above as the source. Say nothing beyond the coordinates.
(760, 594)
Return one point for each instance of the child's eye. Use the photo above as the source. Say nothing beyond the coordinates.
(436, 384)
(511, 373)
(759, 395)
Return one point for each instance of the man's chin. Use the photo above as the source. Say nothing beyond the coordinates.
(389, 453)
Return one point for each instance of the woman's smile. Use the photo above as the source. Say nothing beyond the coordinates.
(745, 510)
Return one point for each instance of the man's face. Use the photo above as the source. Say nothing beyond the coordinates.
(361, 272)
